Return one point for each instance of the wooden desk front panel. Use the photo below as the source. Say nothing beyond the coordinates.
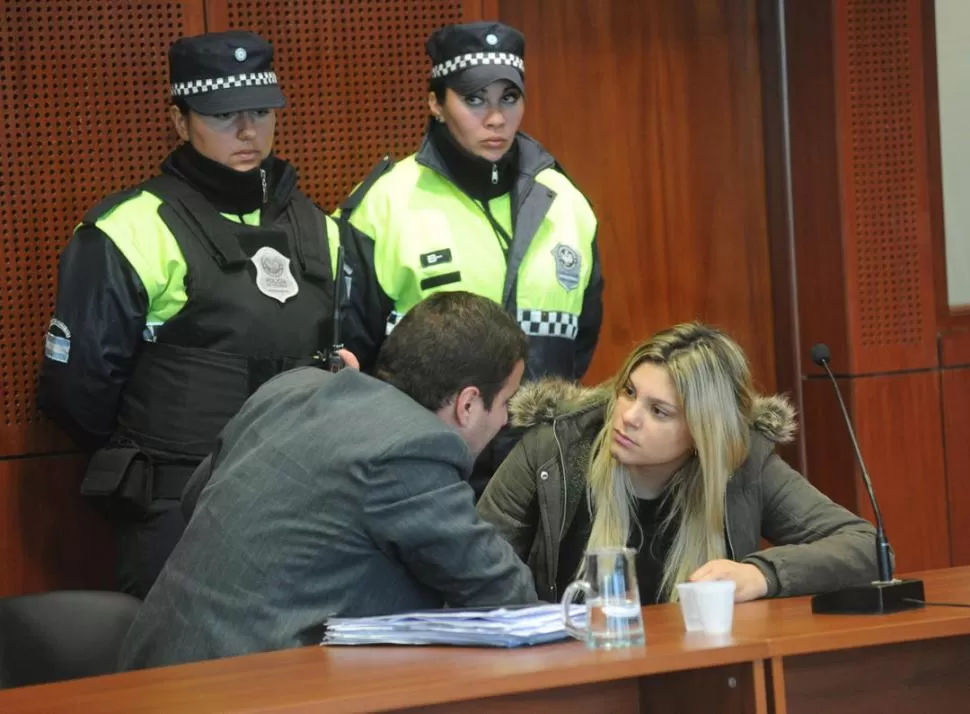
(731, 689)
(375, 679)
(923, 676)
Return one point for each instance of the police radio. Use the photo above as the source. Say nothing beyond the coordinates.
(335, 362)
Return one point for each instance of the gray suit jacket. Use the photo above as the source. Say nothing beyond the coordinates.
(328, 495)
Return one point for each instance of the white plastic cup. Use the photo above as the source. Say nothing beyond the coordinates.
(688, 608)
(707, 607)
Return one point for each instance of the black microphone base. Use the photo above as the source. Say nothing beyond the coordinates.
(872, 599)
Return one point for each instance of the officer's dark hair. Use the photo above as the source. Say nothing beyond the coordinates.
(450, 341)
(183, 107)
(439, 88)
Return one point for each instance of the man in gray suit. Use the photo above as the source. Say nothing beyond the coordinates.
(346, 495)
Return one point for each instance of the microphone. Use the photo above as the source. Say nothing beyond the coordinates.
(887, 594)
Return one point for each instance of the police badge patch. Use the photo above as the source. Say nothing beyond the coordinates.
(568, 265)
(273, 276)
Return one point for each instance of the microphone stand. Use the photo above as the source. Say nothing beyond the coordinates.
(887, 594)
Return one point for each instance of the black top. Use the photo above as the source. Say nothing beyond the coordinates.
(231, 191)
(473, 174)
(652, 548)
(573, 545)
(655, 542)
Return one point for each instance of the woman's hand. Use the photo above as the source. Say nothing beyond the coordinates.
(750, 582)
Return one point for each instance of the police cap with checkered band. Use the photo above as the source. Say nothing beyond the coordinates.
(224, 72)
(471, 56)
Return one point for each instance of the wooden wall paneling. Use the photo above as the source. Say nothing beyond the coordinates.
(881, 122)
(864, 263)
(864, 254)
(830, 463)
(955, 348)
(900, 433)
(815, 186)
(83, 102)
(780, 221)
(356, 77)
(953, 323)
(956, 428)
(49, 537)
(481, 10)
(654, 109)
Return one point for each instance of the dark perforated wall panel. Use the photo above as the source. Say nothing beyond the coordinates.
(83, 93)
(355, 74)
(888, 238)
(880, 80)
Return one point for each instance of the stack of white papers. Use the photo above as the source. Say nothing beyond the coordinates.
(503, 627)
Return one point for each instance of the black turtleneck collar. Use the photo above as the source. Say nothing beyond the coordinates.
(231, 191)
(473, 174)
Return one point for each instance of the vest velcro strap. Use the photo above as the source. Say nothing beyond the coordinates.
(106, 205)
(354, 199)
(179, 398)
(312, 240)
(168, 480)
(199, 216)
(262, 369)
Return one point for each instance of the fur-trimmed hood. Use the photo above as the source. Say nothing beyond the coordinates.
(546, 400)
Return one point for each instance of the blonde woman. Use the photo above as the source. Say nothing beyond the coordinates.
(675, 458)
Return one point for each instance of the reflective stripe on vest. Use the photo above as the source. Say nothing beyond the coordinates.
(141, 235)
(538, 323)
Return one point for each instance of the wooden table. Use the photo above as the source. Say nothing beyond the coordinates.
(912, 661)
(672, 673)
(780, 659)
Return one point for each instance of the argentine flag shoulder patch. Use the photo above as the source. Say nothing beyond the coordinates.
(57, 346)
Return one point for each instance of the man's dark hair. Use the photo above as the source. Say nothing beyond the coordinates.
(182, 105)
(449, 341)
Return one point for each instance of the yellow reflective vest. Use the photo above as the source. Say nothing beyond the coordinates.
(427, 235)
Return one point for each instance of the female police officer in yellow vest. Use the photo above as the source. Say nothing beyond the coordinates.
(485, 208)
(177, 298)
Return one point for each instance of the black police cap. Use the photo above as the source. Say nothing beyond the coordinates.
(224, 72)
(471, 56)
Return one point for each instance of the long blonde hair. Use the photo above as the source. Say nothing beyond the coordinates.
(713, 381)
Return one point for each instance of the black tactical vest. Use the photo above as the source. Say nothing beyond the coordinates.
(230, 336)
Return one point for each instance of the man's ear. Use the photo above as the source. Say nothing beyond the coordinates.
(180, 121)
(465, 405)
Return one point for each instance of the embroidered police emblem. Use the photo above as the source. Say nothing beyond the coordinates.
(273, 276)
(568, 264)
